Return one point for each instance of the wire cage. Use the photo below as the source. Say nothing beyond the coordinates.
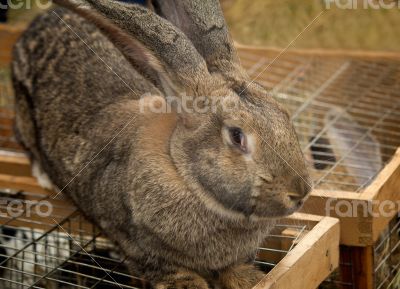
(345, 108)
(61, 250)
(53, 246)
(387, 257)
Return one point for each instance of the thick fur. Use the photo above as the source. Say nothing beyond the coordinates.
(241, 276)
(183, 203)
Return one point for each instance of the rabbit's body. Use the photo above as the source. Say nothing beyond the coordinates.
(70, 138)
(138, 174)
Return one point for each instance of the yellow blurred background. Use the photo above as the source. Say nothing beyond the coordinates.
(276, 23)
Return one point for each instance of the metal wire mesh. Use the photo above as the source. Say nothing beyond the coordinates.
(387, 257)
(345, 111)
(62, 250)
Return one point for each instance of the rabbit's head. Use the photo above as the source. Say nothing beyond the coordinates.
(232, 141)
(245, 154)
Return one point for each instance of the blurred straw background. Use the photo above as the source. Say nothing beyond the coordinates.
(275, 23)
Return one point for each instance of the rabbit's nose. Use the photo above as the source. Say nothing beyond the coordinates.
(295, 197)
(302, 186)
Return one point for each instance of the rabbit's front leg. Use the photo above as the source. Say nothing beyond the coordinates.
(243, 276)
(182, 279)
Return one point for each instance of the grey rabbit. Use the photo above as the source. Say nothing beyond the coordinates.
(188, 196)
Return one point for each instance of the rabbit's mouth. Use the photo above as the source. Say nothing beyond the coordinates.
(267, 203)
(276, 197)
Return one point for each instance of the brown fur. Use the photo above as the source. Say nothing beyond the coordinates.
(180, 200)
(243, 276)
(182, 280)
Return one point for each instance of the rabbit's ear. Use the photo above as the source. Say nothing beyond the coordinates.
(204, 23)
(145, 39)
(354, 145)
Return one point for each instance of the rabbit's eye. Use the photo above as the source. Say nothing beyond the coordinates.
(238, 138)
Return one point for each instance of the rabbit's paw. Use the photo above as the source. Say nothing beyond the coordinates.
(242, 276)
(183, 280)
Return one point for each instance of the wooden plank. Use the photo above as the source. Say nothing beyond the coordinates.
(362, 222)
(326, 53)
(385, 190)
(296, 270)
(362, 259)
(7, 113)
(27, 212)
(28, 184)
(374, 189)
(336, 204)
(8, 35)
(345, 272)
(356, 267)
(304, 217)
(16, 164)
(294, 236)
